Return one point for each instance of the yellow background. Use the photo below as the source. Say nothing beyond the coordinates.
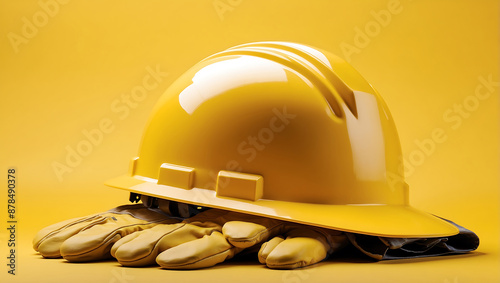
(66, 74)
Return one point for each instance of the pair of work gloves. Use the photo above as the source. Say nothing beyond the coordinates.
(139, 236)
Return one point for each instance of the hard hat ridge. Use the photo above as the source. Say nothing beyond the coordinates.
(317, 69)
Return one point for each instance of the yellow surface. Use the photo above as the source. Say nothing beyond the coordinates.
(86, 77)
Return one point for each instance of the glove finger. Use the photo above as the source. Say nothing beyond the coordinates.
(241, 230)
(296, 252)
(200, 253)
(95, 242)
(142, 248)
(333, 240)
(126, 239)
(303, 246)
(48, 240)
(246, 234)
(268, 247)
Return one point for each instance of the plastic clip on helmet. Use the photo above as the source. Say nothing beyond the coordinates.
(280, 130)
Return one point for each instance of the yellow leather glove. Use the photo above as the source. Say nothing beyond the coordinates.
(300, 246)
(215, 235)
(138, 236)
(90, 238)
(201, 241)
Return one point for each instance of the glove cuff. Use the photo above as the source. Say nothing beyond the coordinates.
(140, 212)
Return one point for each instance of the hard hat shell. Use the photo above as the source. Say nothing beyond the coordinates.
(281, 130)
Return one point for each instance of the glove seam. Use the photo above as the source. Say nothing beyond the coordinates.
(202, 259)
(110, 236)
(252, 239)
(52, 233)
(156, 244)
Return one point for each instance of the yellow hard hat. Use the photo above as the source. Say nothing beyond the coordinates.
(281, 130)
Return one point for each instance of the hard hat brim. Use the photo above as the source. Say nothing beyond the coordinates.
(400, 221)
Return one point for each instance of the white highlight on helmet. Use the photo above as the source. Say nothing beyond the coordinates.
(261, 70)
(367, 141)
(316, 53)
